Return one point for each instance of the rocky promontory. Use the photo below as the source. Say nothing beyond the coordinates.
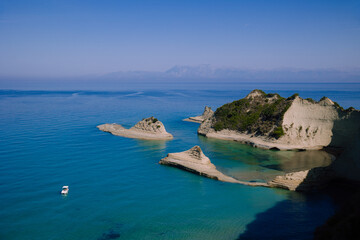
(148, 129)
(199, 119)
(272, 122)
(195, 161)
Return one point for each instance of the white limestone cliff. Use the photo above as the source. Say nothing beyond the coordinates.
(306, 125)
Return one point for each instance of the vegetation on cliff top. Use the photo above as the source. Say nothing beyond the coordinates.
(258, 113)
(261, 114)
(151, 119)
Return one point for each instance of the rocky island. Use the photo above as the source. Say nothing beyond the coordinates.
(148, 129)
(199, 119)
(272, 122)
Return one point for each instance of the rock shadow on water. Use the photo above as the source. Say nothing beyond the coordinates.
(295, 218)
(154, 145)
(300, 216)
(344, 224)
(110, 234)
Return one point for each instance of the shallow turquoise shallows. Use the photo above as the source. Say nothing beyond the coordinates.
(117, 188)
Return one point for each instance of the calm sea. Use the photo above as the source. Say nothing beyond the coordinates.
(117, 188)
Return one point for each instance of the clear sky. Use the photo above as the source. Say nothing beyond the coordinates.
(70, 38)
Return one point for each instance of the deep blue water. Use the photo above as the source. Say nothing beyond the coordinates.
(117, 188)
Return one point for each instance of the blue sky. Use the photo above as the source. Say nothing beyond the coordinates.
(74, 38)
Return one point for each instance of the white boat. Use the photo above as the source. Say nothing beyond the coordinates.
(65, 190)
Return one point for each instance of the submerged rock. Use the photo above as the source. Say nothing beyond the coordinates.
(111, 234)
(199, 119)
(148, 128)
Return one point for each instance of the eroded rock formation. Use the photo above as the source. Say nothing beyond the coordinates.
(307, 180)
(195, 161)
(199, 119)
(148, 128)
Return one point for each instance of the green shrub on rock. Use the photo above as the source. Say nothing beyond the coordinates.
(278, 132)
(254, 114)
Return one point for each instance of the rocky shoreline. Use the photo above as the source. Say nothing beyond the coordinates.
(195, 161)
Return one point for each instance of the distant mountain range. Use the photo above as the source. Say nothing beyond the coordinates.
(210, 73)
(180, 77)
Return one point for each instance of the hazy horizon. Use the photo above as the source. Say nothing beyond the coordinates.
(182, 77)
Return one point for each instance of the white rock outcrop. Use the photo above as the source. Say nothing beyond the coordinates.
(199, 119)
(307, 180)
(312, 125)
(148, 129)
(195, 161)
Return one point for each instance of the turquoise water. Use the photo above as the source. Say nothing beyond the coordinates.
(117, 188)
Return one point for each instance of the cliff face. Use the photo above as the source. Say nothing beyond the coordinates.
(270, 121)
(320, 124)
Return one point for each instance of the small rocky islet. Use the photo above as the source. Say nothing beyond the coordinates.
(148, 129)
(208, 112)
